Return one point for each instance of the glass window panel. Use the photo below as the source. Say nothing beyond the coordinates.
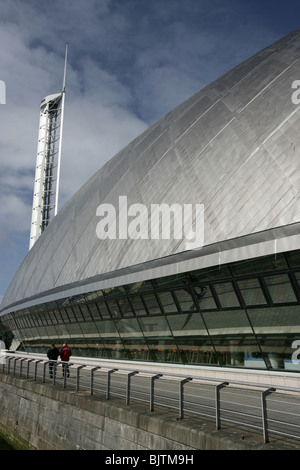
(25, 321)
(152, 304)
(185, 299)
(43, 332)
(163, 350)
(114, 309)
(89, 329)
(204, 297)
(38, 320)
(137, 349)
(86, 311)
(62, 331)
(103, 309)
(30, 321)
(18, 321)
(239, 351)
(51, 331)
(167, 302)
(80, 348)
(64, 316)
(115, 349)
(187, 324)
(227, 323)
(45, 318)
(41, 318)
(259, 265)
(33, 320)
(297, 276)
(138, 306)
(251, 292)
(276, 320)
(293, 258)
(129, 327)
(57, 316)
(280, 288)
(226, 294)
(49, 318)
(278, 351)
(75, 330)
(125, 308)
(70, 314)
(196, 350)
(107, 329)
(77, 313)
(154, 326)
(30, 333)
(90, 312)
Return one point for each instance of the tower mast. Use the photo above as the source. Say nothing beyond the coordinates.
(47, 171)
(61, 131)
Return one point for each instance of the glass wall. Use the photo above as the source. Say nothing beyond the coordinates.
(245, 314)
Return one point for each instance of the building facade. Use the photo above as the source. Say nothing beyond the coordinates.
(232, 301)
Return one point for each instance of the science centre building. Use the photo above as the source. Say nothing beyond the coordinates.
(97, 279)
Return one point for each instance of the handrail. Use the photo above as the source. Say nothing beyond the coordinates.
(188, 403)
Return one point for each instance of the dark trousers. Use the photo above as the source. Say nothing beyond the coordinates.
(51, 368)
(65, 370)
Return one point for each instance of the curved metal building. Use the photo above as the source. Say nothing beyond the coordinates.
(233, 301)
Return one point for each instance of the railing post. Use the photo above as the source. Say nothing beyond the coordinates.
(66, 366)
(77, 377)
(131, 374)
(108, 382)
(8, 368)
(28, 364)
(218, 405)
(264, 412)
(21, 365)
(3, 364)
(181, 396)
(152, 380)
(92, 379)
(35, 367)
(44, 370)
(54, 369)
(15, 360)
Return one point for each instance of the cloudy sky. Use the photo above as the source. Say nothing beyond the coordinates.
(129, 63)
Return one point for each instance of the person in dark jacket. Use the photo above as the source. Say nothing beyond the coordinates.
(65, 354)
(52, 355)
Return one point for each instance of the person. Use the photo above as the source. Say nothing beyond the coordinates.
(52, 355)
(65, 354)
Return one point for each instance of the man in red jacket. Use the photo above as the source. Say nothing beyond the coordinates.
(65, 354)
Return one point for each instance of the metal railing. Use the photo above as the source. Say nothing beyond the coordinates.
(243, 405)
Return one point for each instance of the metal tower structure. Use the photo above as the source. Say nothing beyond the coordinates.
(47, 171)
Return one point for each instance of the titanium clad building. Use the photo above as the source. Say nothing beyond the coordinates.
(234, 147)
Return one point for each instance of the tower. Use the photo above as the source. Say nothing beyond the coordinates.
(47, 171)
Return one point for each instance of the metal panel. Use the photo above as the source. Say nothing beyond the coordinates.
(234, 147)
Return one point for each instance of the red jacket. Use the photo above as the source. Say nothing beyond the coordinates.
(65, 353)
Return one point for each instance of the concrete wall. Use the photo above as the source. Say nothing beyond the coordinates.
(41, 416)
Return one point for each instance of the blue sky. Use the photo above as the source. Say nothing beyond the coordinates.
(130, 62)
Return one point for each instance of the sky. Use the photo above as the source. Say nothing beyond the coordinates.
(129, 63)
